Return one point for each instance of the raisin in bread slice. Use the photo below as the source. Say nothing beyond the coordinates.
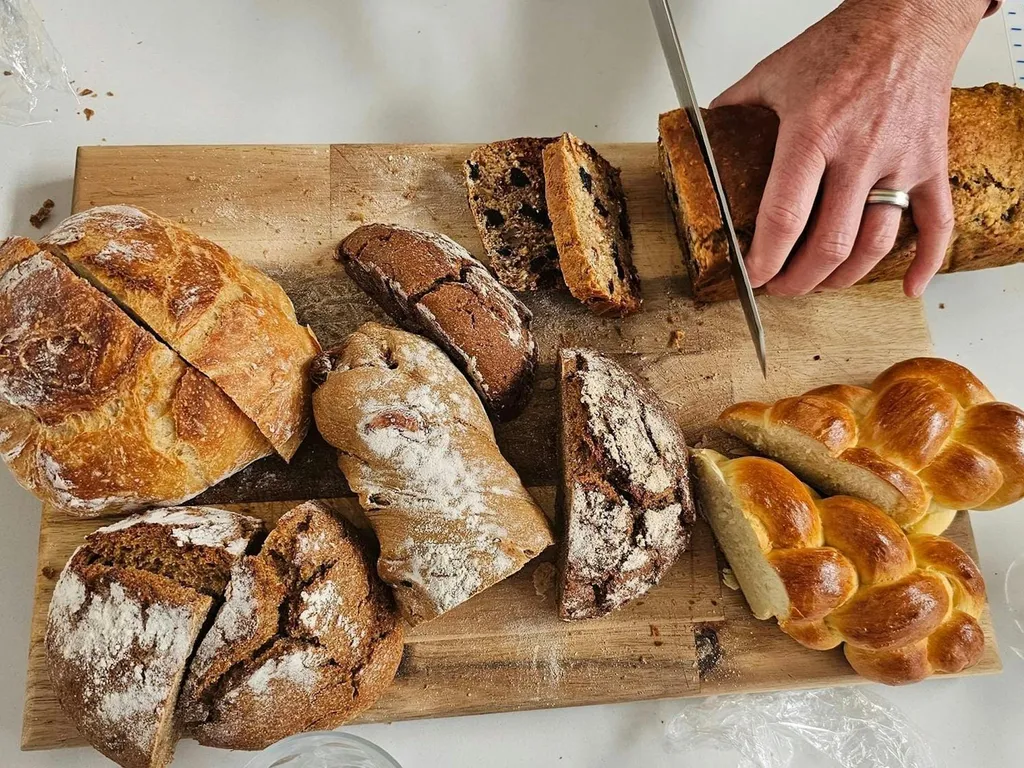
(591, 226)
(505, 181)
(625, 491)
(126, 613)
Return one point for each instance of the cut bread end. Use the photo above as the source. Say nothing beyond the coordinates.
(761, 585)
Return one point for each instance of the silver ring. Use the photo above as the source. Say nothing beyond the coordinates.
(896, 197)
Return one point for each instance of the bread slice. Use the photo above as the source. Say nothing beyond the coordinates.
(625, 491)
(505, 181)
(307, 638)
(591, 225)
(430, 284)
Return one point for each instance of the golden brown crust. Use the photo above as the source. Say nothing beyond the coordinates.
(227, 319)
(588, 214)
(927, 429)
(986, 163)
(905, 606)
(96, 415)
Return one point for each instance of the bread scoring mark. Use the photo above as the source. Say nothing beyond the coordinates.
(117, 218)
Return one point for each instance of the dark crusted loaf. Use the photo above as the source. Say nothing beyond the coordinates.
(591, 225)
(625, 492)
(505, 181)
(431, 285)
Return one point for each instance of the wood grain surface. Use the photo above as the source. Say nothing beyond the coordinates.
(284, 209)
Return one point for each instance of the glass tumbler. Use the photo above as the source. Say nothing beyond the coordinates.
(323, 749)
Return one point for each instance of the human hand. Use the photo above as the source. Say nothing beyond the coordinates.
(863, 101)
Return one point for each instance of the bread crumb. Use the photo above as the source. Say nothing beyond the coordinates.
(110, 93)
(88, 114)
(546, 385)
(675, 339)
(191, 177)
(39, 218)
(817, 357)
(7, 73)
(942, 305)
(544, 580)
(85, 92)
(729, 579)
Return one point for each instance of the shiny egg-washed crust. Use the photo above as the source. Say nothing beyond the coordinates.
(904, 606)
(925, 440)
(228, 320)
(96, 415)
(986, 165)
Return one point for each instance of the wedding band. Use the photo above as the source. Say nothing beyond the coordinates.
(896, 197)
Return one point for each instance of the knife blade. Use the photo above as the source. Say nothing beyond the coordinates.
(688, 101)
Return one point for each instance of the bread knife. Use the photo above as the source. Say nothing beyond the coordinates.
(688, 101)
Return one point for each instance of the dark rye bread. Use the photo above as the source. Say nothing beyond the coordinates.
(986, 165)
(124, 619)
(505, 181)
(432, 286)
(308, 638)
(591, 225)
(625, 492)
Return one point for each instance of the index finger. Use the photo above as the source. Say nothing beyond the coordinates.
(786, 206)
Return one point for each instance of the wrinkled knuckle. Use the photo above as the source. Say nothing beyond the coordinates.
(784, 219)
(879, 243)
(834, 247)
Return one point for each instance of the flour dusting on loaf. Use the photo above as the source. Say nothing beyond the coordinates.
(199, 526)
(417, 447)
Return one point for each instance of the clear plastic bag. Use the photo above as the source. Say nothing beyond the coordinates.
(29, 63)
(854, 728)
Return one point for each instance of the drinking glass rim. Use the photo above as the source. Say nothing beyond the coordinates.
(292, 746)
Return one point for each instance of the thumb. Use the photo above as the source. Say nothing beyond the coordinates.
(747, 91)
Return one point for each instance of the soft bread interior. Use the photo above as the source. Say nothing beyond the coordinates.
(811, 462)
(761, 585)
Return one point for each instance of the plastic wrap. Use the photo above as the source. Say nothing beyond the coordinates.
(854, 728)
(1014, 590)
(29, 63)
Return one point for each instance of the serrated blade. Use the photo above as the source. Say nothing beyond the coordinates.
(688, 101)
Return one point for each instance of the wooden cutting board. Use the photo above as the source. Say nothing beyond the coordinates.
(285, 208)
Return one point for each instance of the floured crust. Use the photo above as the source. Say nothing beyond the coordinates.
(588, 214)
(227, 319)
(308, 637)
(415, 444)
(429, 284)
(96, 415)
(625, 487)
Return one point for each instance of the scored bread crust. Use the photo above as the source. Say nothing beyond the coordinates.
(227, 319)
(840, 571)
(430, 284)
(625, 491)
(986, 163)
(925, 440)
(587, 207)
(416, 446)
(96, 415)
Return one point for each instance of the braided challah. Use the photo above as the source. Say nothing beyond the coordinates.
(839, 570)
(925, 440)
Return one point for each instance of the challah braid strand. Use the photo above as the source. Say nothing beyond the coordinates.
(903, 607)
(925, 440)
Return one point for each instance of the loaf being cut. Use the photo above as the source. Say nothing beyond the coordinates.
(839, 571)
(416, 446)
(924, 440)
(227, 319)
(625, 492)
(986, 164)
(505, 182)
(96, 414)
(430, 285)
(588, 214)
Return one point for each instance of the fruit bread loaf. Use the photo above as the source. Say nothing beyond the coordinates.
(228, 320)
(96, 415)
(588, 216)
(839, 571)
(986, 163)
(125, 614)
(505, 181)
(308, 637)
(923, 441)
(430, 285)
(625, 490)
(416, 446)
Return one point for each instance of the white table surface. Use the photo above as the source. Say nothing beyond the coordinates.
(319, 71)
